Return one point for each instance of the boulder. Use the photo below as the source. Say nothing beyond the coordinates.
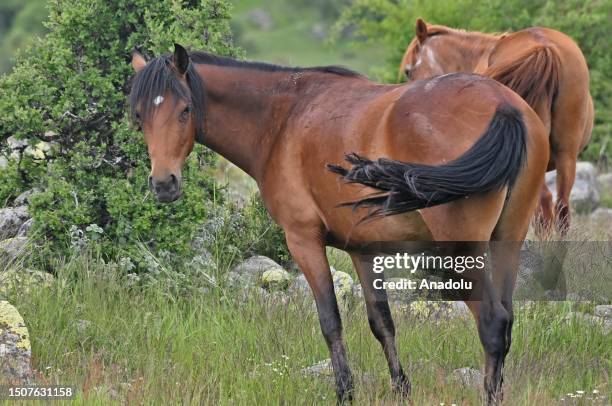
(248, 273)
(275, 279)
(40, 150)
(24, 280)
(584, 197)
(15, 349)
(602, 215)
(605, 182)
(24, 198)
(25, 228)
(321, 369)
(469, 377)
(299, 286)
(604, 323)
(604, 311)
(16, 144)
(438, 310)
(11, 219)
(343, 285)
(13, 247)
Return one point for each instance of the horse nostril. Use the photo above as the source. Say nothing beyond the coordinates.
(151, 183)
(173, 180)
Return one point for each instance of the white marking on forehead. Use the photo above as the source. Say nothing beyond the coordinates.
(158, 100)
(432, 57)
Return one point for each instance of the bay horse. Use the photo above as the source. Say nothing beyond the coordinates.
(453, 147)
(545, 67)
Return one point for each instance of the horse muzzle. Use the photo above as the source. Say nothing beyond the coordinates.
(167, 190)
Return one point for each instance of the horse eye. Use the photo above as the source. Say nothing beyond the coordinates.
(408, 72)
(185, 113)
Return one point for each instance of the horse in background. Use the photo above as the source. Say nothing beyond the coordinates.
(545, 67)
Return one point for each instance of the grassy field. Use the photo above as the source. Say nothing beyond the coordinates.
(163, 345)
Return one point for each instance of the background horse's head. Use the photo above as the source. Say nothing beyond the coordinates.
(167, 103)
(437, 50)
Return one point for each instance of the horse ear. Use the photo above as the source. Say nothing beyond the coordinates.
(421, 30)
(138, 61)
(180, 59)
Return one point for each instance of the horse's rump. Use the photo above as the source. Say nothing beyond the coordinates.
(492, 163)
(532, 75)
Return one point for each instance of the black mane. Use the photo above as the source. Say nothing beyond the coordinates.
(210, 59)
(159, 77)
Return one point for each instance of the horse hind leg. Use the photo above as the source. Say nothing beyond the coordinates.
(566, 174)
(382, 326)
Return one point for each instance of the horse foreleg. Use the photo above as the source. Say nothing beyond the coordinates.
(381, 324)
(309, 254)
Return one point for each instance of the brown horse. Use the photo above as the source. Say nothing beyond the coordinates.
(545, 67)
(458, 143)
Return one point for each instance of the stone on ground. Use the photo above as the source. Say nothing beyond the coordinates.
(15, 349)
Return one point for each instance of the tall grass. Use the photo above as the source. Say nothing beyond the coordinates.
(152, 344)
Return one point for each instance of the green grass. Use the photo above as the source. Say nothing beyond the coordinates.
(153, 346)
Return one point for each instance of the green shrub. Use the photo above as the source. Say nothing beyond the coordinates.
(69, 89)
(391, 22)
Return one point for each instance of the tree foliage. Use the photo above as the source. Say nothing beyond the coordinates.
(391, 22)
(67, 93)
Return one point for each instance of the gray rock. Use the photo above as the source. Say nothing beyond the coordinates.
(249, 272)
(604, 323)
(602, 215)
(605, 181)
(13, 247)
(437, 310)
(11, 219)
(3, 162)
(299, 286)
(357, 291)
(25, 228)
(24, 198)
(343, 285)
(584, 197)
(322, 369)
(15, 349)
(16, 144)
(469, 377)
(275, 279)
(604, 311)
(261, 19)
(25, 280)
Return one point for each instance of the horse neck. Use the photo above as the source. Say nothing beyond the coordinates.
(245, 112)
(475, 49)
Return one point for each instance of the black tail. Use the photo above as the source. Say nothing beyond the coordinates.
(493, 162)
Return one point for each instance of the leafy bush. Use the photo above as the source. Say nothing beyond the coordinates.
(391, 22)
(69, 91)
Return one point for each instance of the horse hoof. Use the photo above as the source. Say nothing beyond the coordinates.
(402, 387)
